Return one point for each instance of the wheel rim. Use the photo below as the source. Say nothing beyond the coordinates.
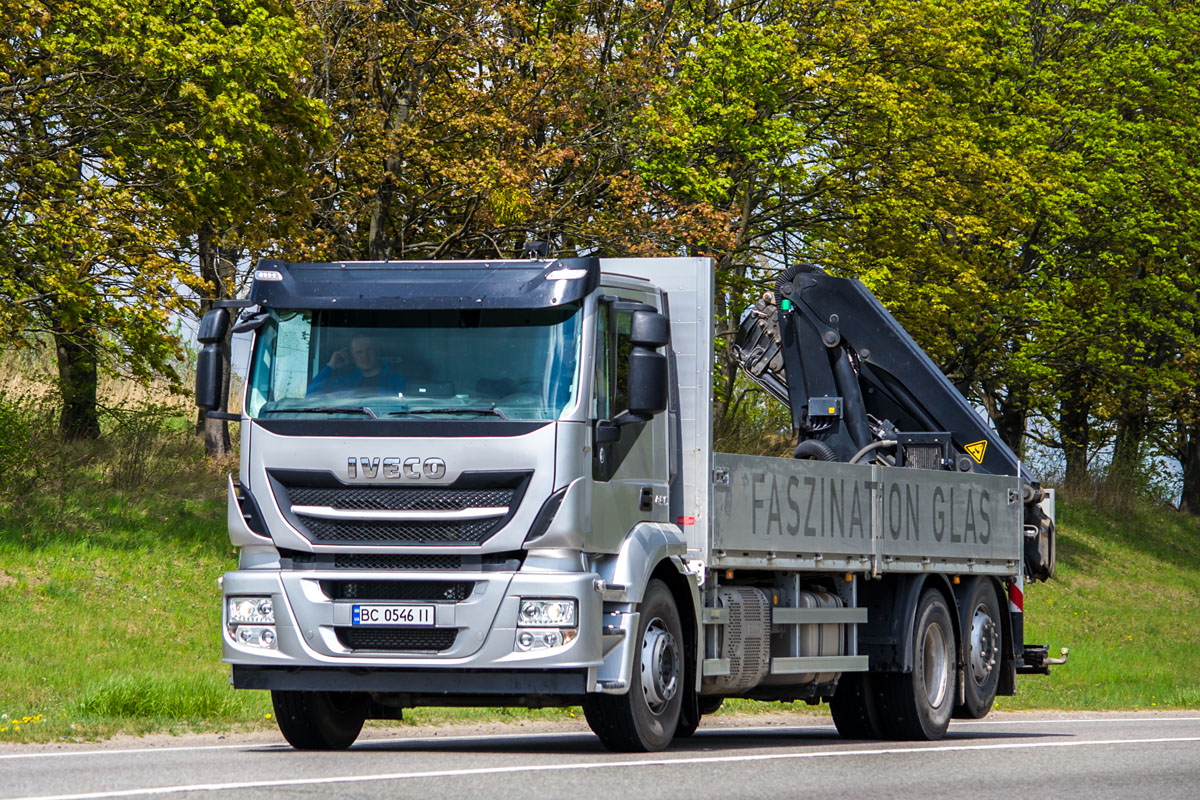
(985, 645)
(936, 672)
(660, 665)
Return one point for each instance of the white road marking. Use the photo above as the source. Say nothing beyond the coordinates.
(1070, 721)
(518, 735)
(134, 750)
(593, 765)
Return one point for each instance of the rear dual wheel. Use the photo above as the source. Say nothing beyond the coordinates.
(983, 654)
(855, 706)
(908, 705)
(918, 704)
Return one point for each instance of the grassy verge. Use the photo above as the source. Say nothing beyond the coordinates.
(109, 608)
(1126, 600)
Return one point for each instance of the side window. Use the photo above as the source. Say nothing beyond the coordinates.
(624, 345)
(602, 396)
(613, 346)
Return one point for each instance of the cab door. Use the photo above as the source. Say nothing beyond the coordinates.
(629, 473)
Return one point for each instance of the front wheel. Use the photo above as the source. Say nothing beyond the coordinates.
(645, 718)
(319, 720)
(917, 704)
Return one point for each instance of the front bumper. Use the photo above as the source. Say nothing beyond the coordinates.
(445, 683)
(308, 623)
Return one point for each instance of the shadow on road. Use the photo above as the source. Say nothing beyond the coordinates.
(703, 741)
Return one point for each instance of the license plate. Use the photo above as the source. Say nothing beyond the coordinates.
(392, 615)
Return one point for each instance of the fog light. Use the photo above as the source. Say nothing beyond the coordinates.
(256, 636)
(545, 612)
(544, 638)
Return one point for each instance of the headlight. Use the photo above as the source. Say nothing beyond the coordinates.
(546, 612)
(251, 611)
(252, 621)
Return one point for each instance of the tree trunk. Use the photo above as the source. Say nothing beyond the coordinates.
(218, 271)
(1010, 424)
(77, 381)
(1127, 451)
(1190, 461)
(1074, 429)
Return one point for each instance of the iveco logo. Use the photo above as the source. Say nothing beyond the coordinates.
(395, 468)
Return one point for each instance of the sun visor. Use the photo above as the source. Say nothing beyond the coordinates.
(424, 285)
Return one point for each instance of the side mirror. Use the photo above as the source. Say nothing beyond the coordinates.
(649, 329)
(213, 326)
(647, 382)
(210, 366)
(210, 369)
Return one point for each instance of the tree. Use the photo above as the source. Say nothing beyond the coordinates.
(122, 125)
(465, 129)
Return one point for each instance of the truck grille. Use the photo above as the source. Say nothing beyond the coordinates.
(374, 498)
(468, 532)
(384, 561)
(398, 639)
(467, 512)
(398, 590)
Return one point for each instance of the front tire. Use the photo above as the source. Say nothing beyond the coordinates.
(645, 718)
(319, 720)
(917, 704)
(983, 651)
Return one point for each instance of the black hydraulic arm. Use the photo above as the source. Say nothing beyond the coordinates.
(823, 344)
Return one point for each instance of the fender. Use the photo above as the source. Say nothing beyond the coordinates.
(626, 573)
(887, 637)
(650, 549)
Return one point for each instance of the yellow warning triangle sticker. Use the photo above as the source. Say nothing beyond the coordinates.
(977, 449)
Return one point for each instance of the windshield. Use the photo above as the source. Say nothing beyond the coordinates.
(502, 364)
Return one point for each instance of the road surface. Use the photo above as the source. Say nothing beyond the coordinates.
(1011, 756)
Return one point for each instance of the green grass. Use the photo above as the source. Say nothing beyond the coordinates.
(109, 611)
(1126, 601)
(107, 605)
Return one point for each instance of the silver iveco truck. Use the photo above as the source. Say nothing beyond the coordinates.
(492, 483)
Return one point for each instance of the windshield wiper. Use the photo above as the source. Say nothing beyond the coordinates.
(326, 410)
(492, 410)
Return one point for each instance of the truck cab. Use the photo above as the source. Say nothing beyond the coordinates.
(455, 480)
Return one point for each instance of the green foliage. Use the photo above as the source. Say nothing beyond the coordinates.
(122, 126)
(26, 426)
(466, 128)
(1018, 182)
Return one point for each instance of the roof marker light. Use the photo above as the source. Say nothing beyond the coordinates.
(267, 275)
(566, 274)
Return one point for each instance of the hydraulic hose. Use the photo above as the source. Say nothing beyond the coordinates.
(815, 450)
(856, 410)
(873, 446)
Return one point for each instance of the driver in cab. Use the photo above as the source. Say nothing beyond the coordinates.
(357, 370)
